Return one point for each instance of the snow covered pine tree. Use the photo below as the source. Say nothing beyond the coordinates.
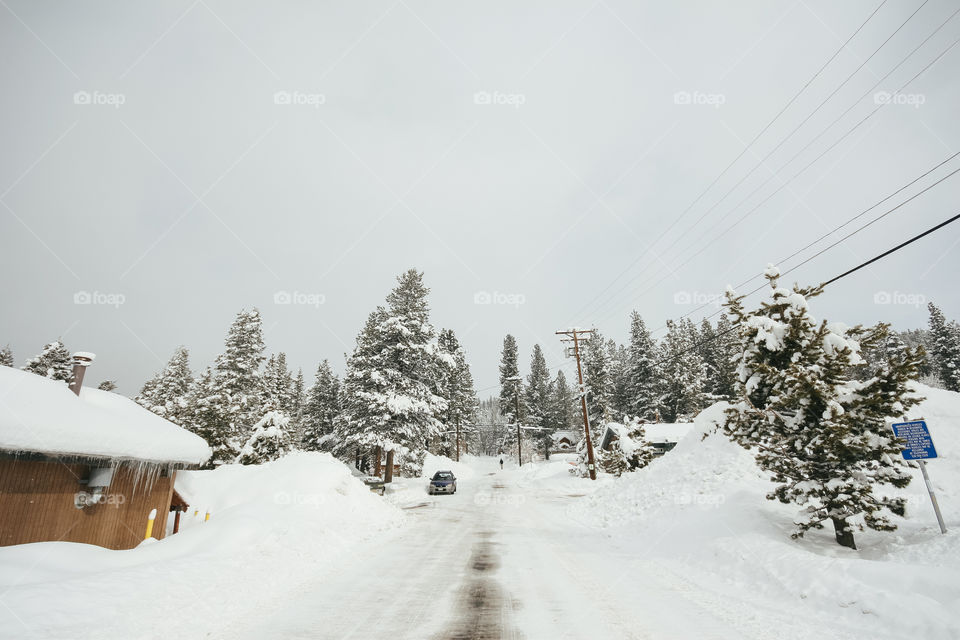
(945, 338)
(823, 437)
(167, 393)
(54, 362)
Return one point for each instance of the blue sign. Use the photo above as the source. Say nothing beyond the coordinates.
(918, 445)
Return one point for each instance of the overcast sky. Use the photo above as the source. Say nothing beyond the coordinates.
(163, 165)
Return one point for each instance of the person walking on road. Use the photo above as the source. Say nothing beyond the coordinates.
(501, 464)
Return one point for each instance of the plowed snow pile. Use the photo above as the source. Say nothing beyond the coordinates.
(701, 510)
(272, 526)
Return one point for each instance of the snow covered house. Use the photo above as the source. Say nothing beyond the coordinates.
(663, 436)
(564, 441)
(84, 465)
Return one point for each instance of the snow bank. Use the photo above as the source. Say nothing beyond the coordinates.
(272, 527)
(701, 511)
(464, 470)
(43, 416)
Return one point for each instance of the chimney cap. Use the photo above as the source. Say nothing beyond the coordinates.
(83, 358)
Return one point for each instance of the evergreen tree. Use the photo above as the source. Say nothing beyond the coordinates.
(456, 388)
(642, 373)
(389, 399)
(823, 437)
(537, 400)
(321, 409)
(230, 400)
(6, 357)
(945, 343)
(618, 358)
(269, 440)
(297, 401)
(562, 404)
(278, 383)
(168, 393)
(510, 386)
(107, 385)
(596, 374)
(54, 362)
(683, 373)
(726, 355)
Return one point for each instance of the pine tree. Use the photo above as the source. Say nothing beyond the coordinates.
(278, 383)
(562, 404)
(167, 394)
(945, 338)
(642, 373)
(618, 358)
(107, 385)
(230, 400)
(596, 374)
(321, 410)
(726, 354)
(269, 440)
(456, 388)
(297, 402)
(822, 436)
(510, 384)
(54, 362)
(537, 400)
(683, 373)
(389, 399)
(6, 357)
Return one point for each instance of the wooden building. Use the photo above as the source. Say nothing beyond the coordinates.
(84, 465)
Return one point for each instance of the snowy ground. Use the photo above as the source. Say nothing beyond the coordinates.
(687, 548)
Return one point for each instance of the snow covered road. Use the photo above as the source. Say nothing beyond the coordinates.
(500, 559)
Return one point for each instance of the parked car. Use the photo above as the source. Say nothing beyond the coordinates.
(442, 482)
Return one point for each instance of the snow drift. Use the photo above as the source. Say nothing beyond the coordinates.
(702, 508)
(271, 527)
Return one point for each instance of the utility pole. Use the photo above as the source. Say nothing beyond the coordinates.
(575, 333)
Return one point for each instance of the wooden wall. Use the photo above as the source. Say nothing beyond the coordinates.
(37, 505)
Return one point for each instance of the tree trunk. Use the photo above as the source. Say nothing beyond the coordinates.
(844, 533)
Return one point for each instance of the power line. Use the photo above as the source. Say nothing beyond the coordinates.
(823, 285)
(837, 228)
(788, 181)
(741, 154)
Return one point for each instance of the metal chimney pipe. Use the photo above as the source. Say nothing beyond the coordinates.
(81, 360)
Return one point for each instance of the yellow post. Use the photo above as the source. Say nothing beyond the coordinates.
(206, 517)
(153, 516)
(196, 512)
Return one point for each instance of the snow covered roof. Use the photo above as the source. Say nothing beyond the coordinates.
(572, 436)
(43, 416)
(667, 431)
